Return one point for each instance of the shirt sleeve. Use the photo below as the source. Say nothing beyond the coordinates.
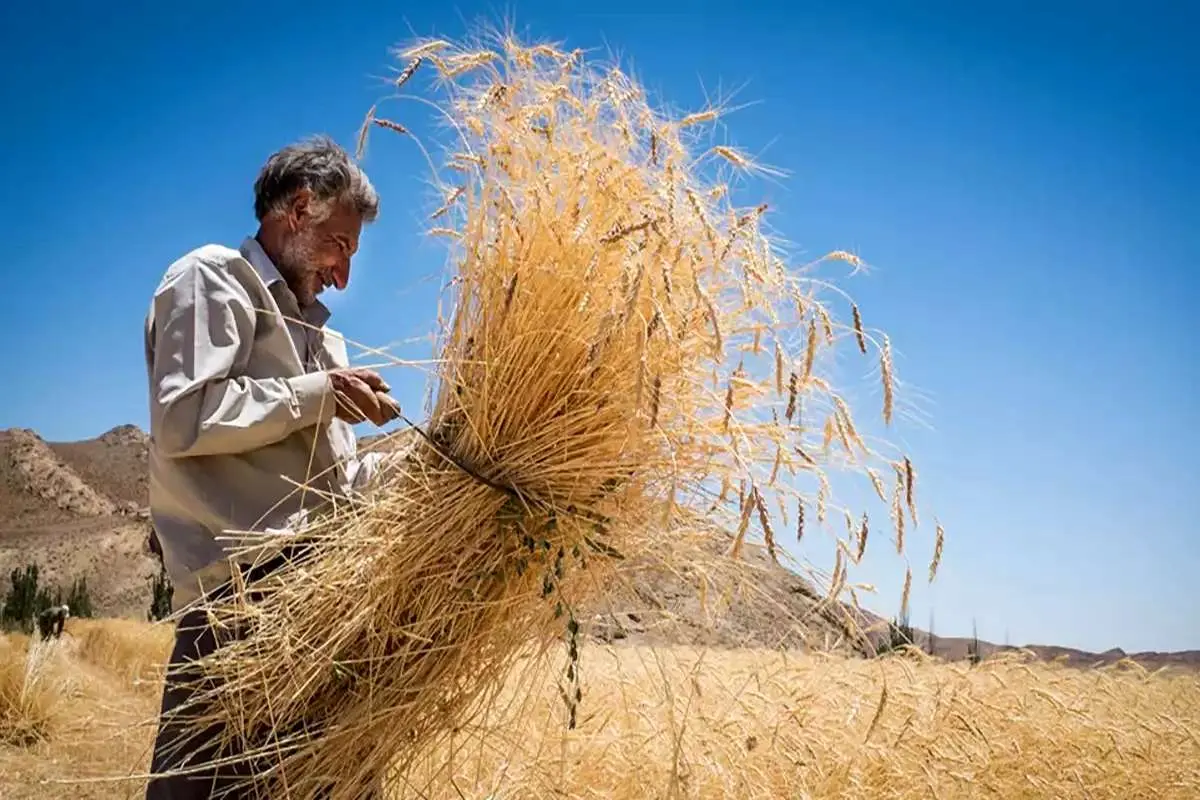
(369, 469)
(203, 326)
(361, 470)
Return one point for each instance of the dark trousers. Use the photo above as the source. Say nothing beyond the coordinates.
(179, 748)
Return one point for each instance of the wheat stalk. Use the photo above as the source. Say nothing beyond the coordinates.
(937, 552)
(885, 369)
(858, 329)
(862, 539)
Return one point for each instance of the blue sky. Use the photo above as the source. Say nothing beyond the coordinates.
(1025, 181)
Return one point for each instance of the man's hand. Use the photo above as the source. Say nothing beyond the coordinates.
(362, 395)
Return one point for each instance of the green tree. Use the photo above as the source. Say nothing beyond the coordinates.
(20, 604)
(162, 594)
(973, 653)
(26, 599)
(47, 599)
(899, 635)
(79, 600)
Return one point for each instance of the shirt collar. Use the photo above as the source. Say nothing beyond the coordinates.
(261, 262)
(317, 314)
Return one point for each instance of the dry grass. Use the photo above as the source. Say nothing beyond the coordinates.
(128, 650)
(41, 681)
(615, 354)
(756, 724)
(81, 701)
(33, 682)
(682, 723)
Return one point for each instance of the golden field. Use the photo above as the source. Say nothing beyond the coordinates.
(77, 715)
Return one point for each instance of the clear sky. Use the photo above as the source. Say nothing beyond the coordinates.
(1025, 181)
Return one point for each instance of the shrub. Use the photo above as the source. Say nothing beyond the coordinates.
(973, 654)
(79, 600)
(21, 602)
(162, 594)
(899, 636)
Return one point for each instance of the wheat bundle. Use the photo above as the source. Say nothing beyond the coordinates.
(627, 355)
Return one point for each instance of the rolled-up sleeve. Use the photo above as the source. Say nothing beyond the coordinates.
(203, 327)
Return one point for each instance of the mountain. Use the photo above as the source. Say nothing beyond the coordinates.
(75, 509)
(79, 509)
(114, 464)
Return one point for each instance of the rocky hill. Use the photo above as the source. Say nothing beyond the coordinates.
(78, 509)
(74, 509)
(114, 464)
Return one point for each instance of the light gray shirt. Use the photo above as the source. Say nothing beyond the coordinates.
(241, 410)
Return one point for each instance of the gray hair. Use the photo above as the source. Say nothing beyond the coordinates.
(320, 165)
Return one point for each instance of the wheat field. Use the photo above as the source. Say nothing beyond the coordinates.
(76, 720)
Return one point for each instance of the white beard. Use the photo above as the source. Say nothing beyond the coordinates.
(295, 264)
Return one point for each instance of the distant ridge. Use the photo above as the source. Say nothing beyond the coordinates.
(78, 508)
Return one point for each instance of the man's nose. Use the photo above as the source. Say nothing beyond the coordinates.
(341, 274)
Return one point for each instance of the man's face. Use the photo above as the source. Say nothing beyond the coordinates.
(317, 255)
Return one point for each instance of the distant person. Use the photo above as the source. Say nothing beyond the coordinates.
(52, 620)
(250, 395)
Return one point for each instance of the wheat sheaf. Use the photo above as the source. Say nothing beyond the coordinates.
(625, 348)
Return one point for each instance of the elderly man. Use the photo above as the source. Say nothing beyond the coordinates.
(52, 620)
(251, 397)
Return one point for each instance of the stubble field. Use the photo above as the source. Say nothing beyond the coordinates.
(76, 720)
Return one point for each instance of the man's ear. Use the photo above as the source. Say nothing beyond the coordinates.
(299, 209)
